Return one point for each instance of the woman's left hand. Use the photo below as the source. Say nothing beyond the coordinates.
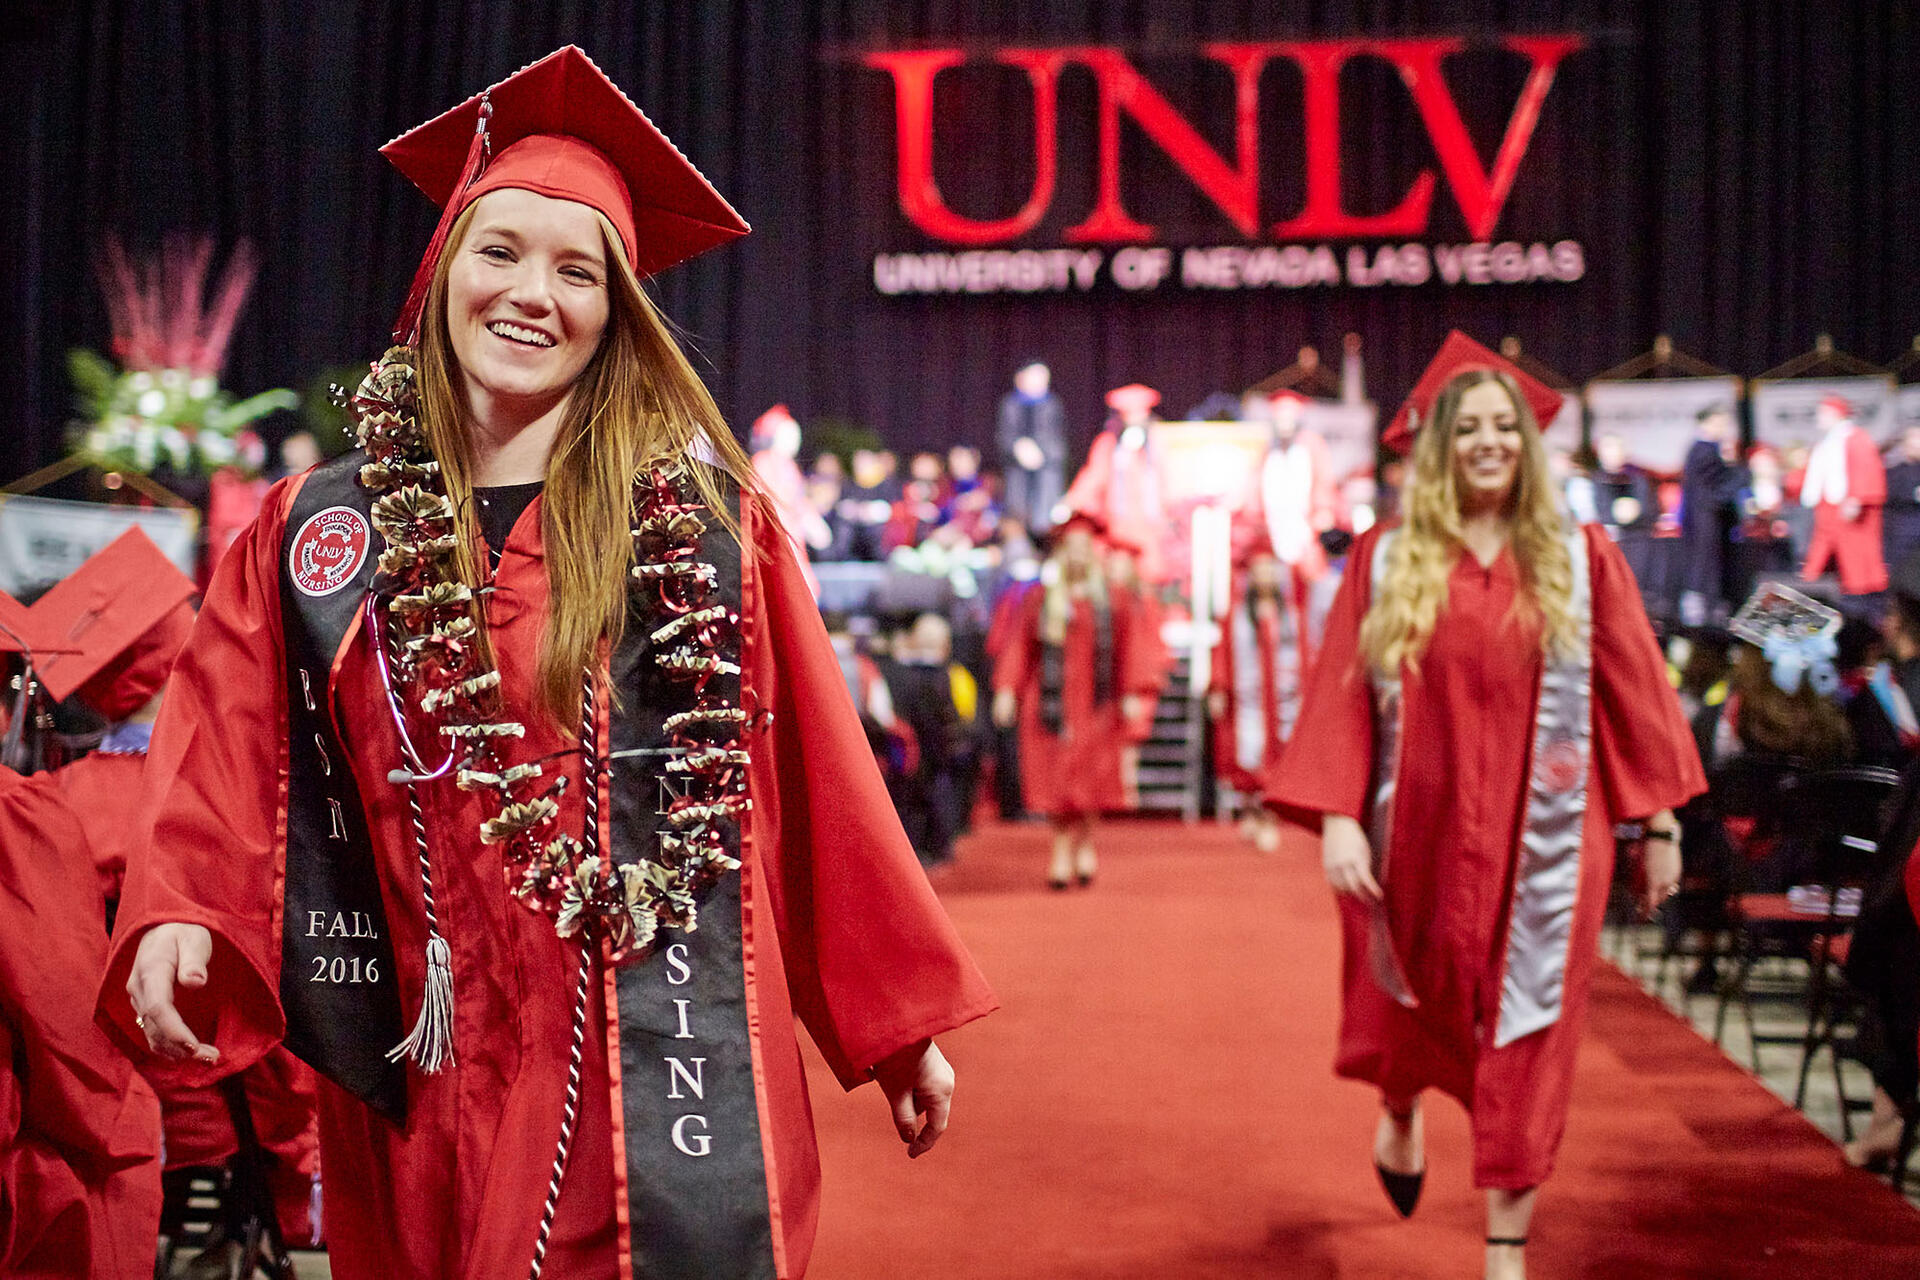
(1661, 861)
(919, 1088)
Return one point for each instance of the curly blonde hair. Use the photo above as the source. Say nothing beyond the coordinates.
(1408, 599)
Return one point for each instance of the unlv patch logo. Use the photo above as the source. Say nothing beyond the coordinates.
(1563, 765)
(327, 550)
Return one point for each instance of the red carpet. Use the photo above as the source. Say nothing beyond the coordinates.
(1155, 1100)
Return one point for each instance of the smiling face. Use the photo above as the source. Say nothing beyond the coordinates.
(527, 300)
(1487, 446)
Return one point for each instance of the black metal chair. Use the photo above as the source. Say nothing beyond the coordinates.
(1841, 815)
(233, 1205)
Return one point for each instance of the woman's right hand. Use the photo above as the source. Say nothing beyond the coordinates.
(170, 955)
(1348, 857)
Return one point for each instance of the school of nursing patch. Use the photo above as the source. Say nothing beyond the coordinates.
(327, 550)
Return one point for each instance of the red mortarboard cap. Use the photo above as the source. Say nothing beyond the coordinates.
(1458, 354)
(559, 127)
(16, 626)
(1287, 393)
(1134, 395)
(1077, 519)
(117, 623)
(766, 422)
(1837, 404)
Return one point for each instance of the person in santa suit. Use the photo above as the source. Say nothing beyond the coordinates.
(1298, 498)
(1845, 487)
(509, 779)
(1119, 486)
(1489, 701)
(79, 1129)
(1074, 669)
(1259, 666)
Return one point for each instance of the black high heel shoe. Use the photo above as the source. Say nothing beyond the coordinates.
(1402, 1188)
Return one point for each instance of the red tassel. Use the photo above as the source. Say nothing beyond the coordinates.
(406, 330)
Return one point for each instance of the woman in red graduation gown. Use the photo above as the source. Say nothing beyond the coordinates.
(1075, 669)
(1488, 703)
(518, 727)
(1259, 665)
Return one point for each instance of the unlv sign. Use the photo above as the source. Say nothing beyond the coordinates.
(1231, 185)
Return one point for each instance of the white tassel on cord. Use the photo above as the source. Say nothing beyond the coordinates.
(430, 1043)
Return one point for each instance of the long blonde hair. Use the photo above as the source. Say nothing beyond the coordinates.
(638, 403)
(1407, 601)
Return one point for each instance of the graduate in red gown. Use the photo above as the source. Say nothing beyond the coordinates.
(1258, 675)
(1846, 485)
(1123, 570)
(1119, 485)
(509, 777)
(104, 792)
(775, 441)
(1488, 702)
(79, 1128)
(1075, 668)
(1298, 500)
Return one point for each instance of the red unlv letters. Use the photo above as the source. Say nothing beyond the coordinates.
(1233, 186)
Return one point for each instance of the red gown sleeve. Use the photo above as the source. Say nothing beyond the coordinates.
(1088, 492)
(1642, 746)
(1866, 474)
(873, 964)
(1013, 664)
(215, 789)
(1327, 765)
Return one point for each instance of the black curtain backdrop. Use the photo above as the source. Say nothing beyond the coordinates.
(1740, 173)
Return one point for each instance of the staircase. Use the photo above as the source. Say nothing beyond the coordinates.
(1171, 761)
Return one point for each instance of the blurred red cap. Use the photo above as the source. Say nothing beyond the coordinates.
(1457, 355)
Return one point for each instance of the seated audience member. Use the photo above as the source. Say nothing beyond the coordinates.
(1883, 965)
(826, 479)
(938, 700)
(970, 505)
(922, 498)
(1761, 718)
(1883, 680)
(867, 502)
(892, 741)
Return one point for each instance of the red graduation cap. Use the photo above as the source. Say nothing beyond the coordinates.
(1457, 355)
(1288, 393)
(1135, 395)
(110, 630)
(559, 127)
(1076, 519)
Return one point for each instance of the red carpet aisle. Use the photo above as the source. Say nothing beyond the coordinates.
(1155, 1102)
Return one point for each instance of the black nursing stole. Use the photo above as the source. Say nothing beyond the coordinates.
(337, 982)
(696, 1173)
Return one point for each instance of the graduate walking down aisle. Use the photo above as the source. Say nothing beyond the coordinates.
(518, 727)
(1488, 702)
(1077, 664)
